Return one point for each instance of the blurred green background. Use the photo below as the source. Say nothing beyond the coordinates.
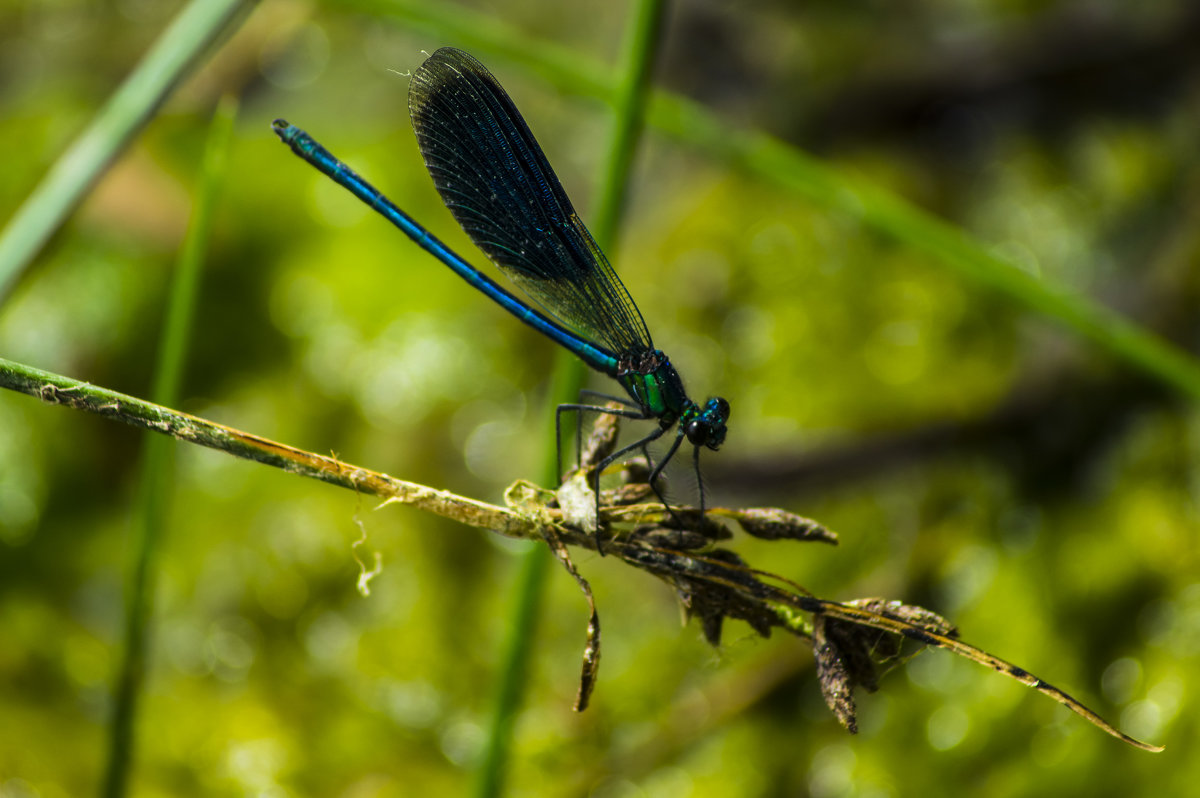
(974, 457)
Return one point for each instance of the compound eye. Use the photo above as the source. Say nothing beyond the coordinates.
(696, 432)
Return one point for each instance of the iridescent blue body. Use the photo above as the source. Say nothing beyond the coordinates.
(494, 178)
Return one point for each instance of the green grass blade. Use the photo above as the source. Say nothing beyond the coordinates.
(452, 23)
(636, 76)
(875, 208)
(129, 108)
(791, 169)
(151, 509)
(633, 93)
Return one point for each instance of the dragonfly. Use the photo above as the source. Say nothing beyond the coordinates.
(493, 176)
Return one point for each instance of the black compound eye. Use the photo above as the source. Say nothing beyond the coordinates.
(696, 432)
(715, 437)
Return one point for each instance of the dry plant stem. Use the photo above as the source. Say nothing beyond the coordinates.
(591, 652)
(715, 583)
(716, 574)
(59, 390)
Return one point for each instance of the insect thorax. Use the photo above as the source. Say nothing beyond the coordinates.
(654, 384)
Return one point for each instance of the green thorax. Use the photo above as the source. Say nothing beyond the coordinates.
(655, 385)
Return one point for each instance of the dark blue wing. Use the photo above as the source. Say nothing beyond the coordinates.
(494, 178)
